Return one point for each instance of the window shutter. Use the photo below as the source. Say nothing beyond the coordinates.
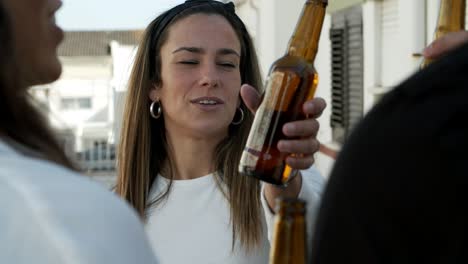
(338, 94)
(347, 71)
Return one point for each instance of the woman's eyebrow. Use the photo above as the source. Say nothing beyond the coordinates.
(189, 49)
(228, 52)
(223, 51)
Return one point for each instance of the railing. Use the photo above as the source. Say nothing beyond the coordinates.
(96, 156)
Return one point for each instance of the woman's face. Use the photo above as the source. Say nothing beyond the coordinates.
(200, 75)
(35, 39)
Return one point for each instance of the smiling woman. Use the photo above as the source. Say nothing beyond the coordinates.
(199, 92)
(187, 117)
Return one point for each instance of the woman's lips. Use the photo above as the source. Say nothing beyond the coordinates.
(207, 103)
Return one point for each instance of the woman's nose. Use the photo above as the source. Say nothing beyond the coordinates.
(209, 76)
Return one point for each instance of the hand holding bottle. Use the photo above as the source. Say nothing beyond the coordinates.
(306, 130)
(291, 82)
(305, 144)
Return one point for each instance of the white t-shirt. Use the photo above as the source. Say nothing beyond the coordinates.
(51, 215)
(193, 224)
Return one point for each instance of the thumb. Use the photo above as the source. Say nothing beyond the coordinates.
(445, 44)
(251, 97)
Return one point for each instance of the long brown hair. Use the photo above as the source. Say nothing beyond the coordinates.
(21, 120)
(143, 147)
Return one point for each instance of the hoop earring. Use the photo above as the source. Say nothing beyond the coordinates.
(241, 117)
(157, 115)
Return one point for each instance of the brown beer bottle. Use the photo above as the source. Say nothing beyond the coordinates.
(289, 235)
(291, 81)
(451, 19)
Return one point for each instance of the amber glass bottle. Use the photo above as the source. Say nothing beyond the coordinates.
(289, 236)
(291, 81)
(451, 19)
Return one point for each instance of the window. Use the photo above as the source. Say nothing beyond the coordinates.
(84, 103)
(81, 103)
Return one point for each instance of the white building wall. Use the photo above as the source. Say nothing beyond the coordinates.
(394, 33)
(391, 44)
(372, 41)
(90, 132)
(95, 89)
(412, 35)
(123, 57)
(104, 81)
(81, 78)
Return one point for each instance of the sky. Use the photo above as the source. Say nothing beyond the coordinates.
(110, 14)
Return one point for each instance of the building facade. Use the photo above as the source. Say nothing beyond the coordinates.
(85, 104)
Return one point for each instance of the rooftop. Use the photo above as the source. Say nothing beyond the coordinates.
(96, 43)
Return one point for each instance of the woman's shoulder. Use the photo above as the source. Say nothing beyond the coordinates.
(31, 174)
(48, 206)
(39, 181)
(16, 167)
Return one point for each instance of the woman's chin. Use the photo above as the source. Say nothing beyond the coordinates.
(49, 73)
(54, 71)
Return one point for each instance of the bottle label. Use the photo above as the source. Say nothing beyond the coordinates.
(277, 99)
(280, 90)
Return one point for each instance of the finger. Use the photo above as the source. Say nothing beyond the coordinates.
(301, 146)
(300, 163)
(314, 108)
(301, 128)
(251, 97)
(445, 44)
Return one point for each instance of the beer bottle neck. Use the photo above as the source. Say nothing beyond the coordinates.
(305, 40)
(289, 244)
(290, 207)
(451, 17)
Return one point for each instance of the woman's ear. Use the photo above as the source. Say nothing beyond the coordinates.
(154, 93)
